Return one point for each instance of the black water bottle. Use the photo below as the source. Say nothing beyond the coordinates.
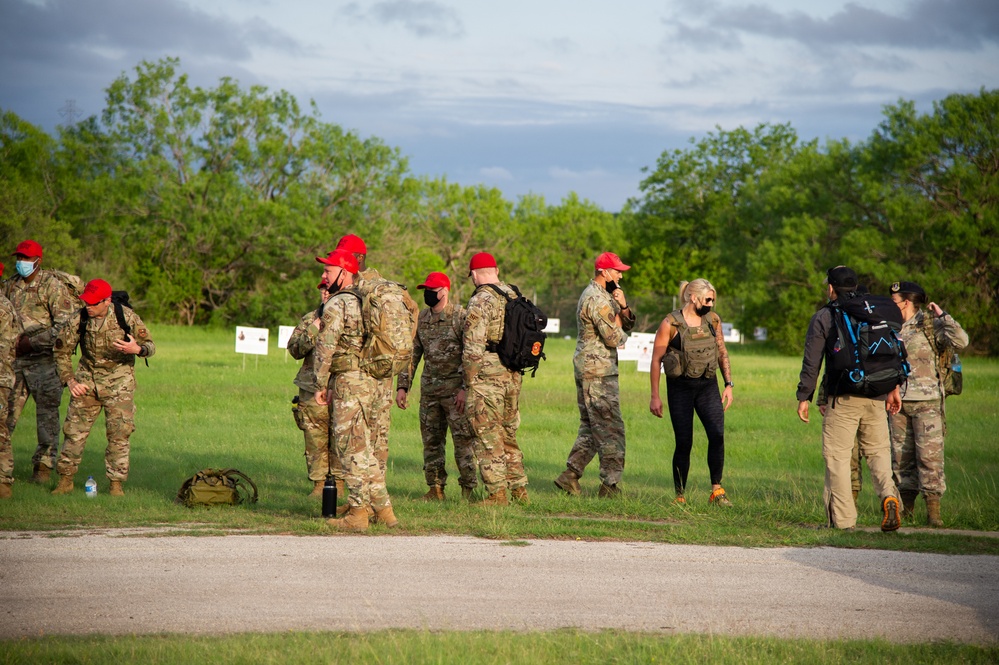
(329, 497)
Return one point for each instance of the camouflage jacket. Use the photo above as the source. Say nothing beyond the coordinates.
(439, 342)
(43, 305)
(483, 324)
(10, 330)
(100, 363)
(340, 332)
(923, 382)
(314, 374)
(598, 336)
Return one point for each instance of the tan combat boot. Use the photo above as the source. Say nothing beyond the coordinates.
(387, 517)
(933, 511)
(466, 493)
(520, 494)
(568, 482)
(5, 491)
(497, 499)
(856, 493)
(317, 490)
(355, 520)
(65, 485)
(116, 489)
(345, 508)
(435, 493)
(41, 474)
(908, 503)
(609, 491)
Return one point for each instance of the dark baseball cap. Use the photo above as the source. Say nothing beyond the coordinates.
(908, 287)
(841, 277)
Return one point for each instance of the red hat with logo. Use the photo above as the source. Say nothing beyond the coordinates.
(1, 270)
(342, 259)
(95, 291)
(352, 244)
(610, 261)
(481, 260)
(435, 280)
(29, 248)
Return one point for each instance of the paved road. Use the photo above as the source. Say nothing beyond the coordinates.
(105, 583)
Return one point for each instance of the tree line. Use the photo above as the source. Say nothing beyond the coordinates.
(209, 205)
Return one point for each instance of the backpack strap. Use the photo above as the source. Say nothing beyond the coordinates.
(240, 474)
(504, 293)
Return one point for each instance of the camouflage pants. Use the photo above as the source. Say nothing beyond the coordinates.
(351, 417)
(601, 429)
(314, 421)
(119, 417)
(917, 442)
(494, 411)
(437, 414)
(856, 473)
(382, 410)
(6, 452)
(39, 378)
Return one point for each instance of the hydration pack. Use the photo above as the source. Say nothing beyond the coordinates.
(867, 356)
(523, 342)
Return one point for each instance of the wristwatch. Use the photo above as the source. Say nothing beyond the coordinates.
(729, 384)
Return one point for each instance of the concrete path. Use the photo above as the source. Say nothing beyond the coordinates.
(105, 583)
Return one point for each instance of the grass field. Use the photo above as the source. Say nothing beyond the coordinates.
(199, 407)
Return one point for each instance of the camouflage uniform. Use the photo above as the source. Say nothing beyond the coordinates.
(10, 329)
(917, 431)
(310, 416)
(381, 406)
(601, 428)
(109, 376)
(351, 412)
(439, 341)
(493, 403)
(43, 305)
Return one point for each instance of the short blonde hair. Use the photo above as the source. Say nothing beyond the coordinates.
(699, 287)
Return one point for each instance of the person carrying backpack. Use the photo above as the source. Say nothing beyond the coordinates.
(493, 400)
(931, 335)
(112, 337)
(10, 330)
(852, 408)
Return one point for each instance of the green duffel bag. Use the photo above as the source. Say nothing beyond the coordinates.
(217, 487)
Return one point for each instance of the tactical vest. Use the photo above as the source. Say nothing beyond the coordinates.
(698, 354)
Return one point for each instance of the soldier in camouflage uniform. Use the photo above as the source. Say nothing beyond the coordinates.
(104, 379)
(493, 390)
(10, 330)
(310, 416)
(351, 394)
(43, 302)
(917, 430)
(442, 393)
(603, 318)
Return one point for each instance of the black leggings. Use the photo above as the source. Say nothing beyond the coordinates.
(685, 396)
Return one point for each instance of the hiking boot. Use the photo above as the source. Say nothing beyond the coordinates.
(317, 490)
(718, 498)
(908, 503)
(65, 485)
(356, 519)
(466, 493)
(933, 511)
(116, 489)
(435, 493)
(345, 508)
(387, 517)
(519, 494)
(497, 499)
(609, 491)
(568, 482)
(890, 521)
(41, 474)
(680, 500)
(856, 494)
(6, 491)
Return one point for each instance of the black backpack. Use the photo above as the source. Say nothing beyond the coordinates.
(522, 345)
(119, 300)
(867, 357)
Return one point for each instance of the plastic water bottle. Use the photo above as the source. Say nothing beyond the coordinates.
(90, 487)
(956, 365)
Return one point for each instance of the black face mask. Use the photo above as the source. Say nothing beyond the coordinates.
(702, 310)
(335, 286)
(431, 298)
(612, 287)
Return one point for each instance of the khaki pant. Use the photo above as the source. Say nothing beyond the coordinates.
(849, 418)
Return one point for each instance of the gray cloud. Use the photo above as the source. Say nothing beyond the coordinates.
(423, 18)
(944, 24)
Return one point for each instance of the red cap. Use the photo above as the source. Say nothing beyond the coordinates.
(481, 260)
(95, 291)
(352, 244)
(341, 258)
(435, 280)
(29, 248)
(322, 283)
(609, 260)
(1, 270)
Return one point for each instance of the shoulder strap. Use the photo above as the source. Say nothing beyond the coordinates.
(240, 474)
(119, 313)
(502, 292)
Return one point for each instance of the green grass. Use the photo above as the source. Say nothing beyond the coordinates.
(198, 407)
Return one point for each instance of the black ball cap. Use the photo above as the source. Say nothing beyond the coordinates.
(908, 287)
(841, 277)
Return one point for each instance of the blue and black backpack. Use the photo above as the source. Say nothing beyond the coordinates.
(866, 357)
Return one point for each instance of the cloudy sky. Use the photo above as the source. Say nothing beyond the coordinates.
(544, 96)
